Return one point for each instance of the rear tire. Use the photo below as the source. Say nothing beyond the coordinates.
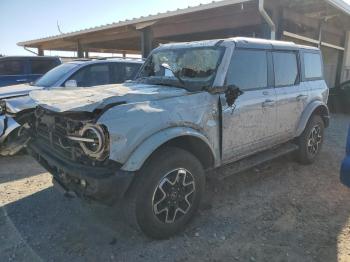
(166, 193)
(311, 140)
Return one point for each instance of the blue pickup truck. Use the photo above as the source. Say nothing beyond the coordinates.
(345, 167)
(25, 69)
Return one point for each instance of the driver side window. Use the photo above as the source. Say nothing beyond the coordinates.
(248, 69)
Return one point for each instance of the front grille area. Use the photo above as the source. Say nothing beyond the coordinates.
(52, 131)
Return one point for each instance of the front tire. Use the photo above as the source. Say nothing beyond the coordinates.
(311, 140)
(166, 193)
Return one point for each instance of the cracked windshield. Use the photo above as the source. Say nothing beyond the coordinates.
(191, 66)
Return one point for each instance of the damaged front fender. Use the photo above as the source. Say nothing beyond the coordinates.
(137, 130)
(145, 150)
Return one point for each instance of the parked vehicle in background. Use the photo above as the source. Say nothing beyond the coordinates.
(193, 107)
(341, 97)
(16, 106)
(16, 70)
(345, 167)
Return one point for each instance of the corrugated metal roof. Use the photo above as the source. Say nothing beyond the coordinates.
(141, 19)
(340, 4)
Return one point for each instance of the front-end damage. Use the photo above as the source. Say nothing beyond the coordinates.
(76, 151)
(89, 135)
(108, 145)
(14, 118)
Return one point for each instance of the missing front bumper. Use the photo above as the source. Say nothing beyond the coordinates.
(102, 184)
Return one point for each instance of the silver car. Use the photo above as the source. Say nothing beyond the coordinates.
(193, 108)
(16, 107)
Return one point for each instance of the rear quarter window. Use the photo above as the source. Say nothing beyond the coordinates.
(312, 65)
(12, 67)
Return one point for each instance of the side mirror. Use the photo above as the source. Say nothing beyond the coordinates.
(71, 83)
(231, 94)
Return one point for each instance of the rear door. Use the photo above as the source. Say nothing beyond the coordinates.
(249, 126)
(292, 95)
(13, 71)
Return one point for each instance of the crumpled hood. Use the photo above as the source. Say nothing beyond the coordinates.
(90, 98)
(17, 90)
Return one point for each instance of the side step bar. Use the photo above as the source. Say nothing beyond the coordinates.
(254, 160)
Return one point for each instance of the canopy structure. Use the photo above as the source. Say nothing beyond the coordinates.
(322, 23)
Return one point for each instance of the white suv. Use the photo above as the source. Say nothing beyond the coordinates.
(193, 107)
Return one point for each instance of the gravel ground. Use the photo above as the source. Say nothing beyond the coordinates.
(280, 211)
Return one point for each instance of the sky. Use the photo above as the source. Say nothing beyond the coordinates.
(22, 20)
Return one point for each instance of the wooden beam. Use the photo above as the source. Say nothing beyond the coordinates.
(146, 41)
(80, 52)
(40, 51)
(106, 38)
(208, 24)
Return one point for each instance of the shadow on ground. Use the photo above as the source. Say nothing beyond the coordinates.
(280, 211)
(18, 167)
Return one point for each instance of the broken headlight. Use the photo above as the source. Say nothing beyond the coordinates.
(93, 140)
(2, 107)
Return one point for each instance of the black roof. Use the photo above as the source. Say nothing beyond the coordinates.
(29, 57)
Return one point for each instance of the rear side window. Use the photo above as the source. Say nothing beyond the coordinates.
(286, 68)
(248, 69)
(12, 67)
(312, 65)
(40, 67)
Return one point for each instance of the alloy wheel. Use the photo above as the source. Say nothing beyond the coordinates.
(314, 140)
(174, 195)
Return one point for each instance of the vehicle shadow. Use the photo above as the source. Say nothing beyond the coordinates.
(277, 212)
(18, 167)
(280, 211)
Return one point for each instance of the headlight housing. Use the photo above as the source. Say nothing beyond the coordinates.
(95, 144)
(93, 140)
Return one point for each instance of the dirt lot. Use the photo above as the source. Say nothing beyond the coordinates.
(280, 211)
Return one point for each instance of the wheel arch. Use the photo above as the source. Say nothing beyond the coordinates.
(316, 107)
(182, 137)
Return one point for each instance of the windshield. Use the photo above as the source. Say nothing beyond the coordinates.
(55, 74)
(190, 68)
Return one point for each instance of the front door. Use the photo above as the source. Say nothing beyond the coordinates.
(250, 125)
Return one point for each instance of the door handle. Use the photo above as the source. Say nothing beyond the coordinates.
(21, 80)
(268, 103)
(302, 97)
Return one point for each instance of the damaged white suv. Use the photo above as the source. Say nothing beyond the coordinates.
(194, 107)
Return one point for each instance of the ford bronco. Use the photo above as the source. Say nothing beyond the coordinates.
(193, 107)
